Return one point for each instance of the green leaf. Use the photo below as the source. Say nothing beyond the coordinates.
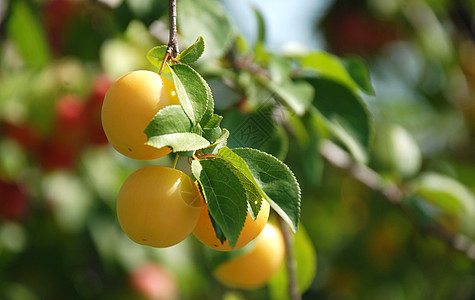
(179, 142)
(25, 30)
(218, 144)
(395, 150)
(351, 72)
(253, 191)
(170, 119)
(171, 127)
(359, 72)
(191, 90)
(280, 68)
(347, 116)
(156, 55)
(258, 131)
(305, 258)
(277, 181)
(253, 194)
(445, 192)
(213, 122)
(297, 95)
(248, 130)
(208, 115)
(212, 130)
(193, 52)
(261, 28)
(224, 195)
(217, 230)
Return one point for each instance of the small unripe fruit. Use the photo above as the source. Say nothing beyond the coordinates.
(158, 206)
(130, 104)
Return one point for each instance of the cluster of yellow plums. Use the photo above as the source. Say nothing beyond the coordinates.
(159, 206)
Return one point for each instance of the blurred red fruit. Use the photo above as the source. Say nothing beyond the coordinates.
(99, 89)
(358, 32)
(95, 133)
(23, 133)
(61, 148)
(154, 282)
(56, 154)
(13, 201)
(70, 113)
(57, 15)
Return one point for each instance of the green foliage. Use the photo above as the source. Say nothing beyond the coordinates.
(395, 151)
(193, 126)
(224, 195)
(285, 106)
(27, 34)
(348, 119)
(193, 52)
(445, 192)
(277, 181)
(156, 55)
(297, 95)
(212, 130)
(255, 193)
(191, 91)
(350, 72)
(359, 72)
(171, 127)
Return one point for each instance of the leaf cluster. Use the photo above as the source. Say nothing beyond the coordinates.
(233, 182)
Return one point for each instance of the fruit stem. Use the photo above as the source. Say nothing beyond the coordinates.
(164, 61)
(290, 261)
(175, 162)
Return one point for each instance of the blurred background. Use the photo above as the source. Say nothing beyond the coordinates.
(59, 178)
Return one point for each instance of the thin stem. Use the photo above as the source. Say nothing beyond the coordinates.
(175, 162)
(291, 264)
(164, 61)
(173, 37)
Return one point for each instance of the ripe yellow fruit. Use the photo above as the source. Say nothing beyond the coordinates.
(129, 105)
(254, 268)
(204, 230)
(158, 206)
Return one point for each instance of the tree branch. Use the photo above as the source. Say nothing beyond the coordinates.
(340, 159)
(291, 265)
(173, 36)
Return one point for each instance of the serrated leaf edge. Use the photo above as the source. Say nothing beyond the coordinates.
(284, 216)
